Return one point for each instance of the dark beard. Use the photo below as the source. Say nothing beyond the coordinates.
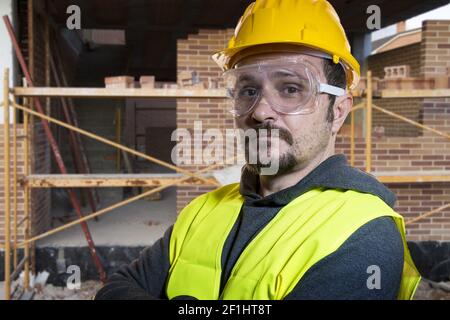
(287, 162)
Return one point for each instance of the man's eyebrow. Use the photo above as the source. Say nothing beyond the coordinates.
(286, 73)
(246, 77)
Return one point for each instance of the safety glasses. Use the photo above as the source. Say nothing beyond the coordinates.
(289, 86)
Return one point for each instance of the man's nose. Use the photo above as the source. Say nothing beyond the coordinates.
(263, 111)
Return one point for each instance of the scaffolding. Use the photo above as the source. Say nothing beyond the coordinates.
(158, 182)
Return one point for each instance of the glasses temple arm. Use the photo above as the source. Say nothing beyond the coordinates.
(333, 90)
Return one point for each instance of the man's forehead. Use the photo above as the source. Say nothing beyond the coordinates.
(289, 56)
(316, 62)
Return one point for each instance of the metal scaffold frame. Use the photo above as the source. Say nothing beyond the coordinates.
(159, 182)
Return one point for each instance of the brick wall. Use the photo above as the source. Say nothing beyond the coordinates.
(393, 155)
(406, 151)
(415, 199)
(435, 48)
(40, 198)
(408, 55)
(435, 61)
(427, 152)
(410, 108)
(194, 54)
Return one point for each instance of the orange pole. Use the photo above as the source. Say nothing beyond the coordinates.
(26, 206)
(369, 123)
(352, 138)
(14, 142)
(7, 181)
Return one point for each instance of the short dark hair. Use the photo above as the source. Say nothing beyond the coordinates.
(335, 75)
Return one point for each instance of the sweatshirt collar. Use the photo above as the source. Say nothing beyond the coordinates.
(334, 172)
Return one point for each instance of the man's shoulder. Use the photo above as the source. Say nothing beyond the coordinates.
(377, 245)
(380, 233)
(347, 177)
(378, 240)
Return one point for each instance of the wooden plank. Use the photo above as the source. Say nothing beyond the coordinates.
(119, 92)
(107, 180)
(425, 93)
(413, 177)
(154, 180)
(188, 93)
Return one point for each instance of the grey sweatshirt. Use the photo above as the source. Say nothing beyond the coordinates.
(343, 274)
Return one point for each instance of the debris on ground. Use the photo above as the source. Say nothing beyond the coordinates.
(432, 291)
(40, 290)
(426, 291)
(86, 292)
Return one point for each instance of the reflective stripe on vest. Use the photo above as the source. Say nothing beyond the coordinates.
(309, 228)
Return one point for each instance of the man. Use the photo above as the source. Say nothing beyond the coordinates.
(317, 228)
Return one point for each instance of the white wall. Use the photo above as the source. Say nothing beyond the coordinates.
(6, 55)
(441, 13)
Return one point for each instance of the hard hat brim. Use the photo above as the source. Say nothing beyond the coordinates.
(228, 57)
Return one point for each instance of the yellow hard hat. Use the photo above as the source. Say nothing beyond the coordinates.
(310, 23)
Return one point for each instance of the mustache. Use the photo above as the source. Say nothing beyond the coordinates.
(282, 133)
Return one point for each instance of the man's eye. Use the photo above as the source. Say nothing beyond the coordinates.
(291, 90)
(248, 92)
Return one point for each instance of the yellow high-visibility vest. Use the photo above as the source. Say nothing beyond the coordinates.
(306, 230)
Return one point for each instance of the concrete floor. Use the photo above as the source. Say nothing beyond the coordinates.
(138, 223)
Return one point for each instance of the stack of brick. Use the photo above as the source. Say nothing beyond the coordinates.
(119, 82)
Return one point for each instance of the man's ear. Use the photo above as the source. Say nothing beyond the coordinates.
(341, 108)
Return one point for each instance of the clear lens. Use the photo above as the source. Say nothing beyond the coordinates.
(244, 89)
(288, 88)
